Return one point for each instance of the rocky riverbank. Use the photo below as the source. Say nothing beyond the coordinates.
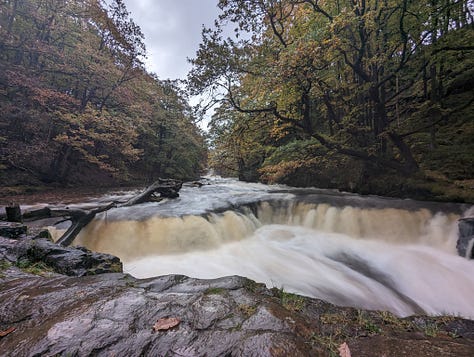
(94, 311)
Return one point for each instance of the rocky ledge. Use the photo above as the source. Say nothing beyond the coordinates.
(36, 252)
(114, 314)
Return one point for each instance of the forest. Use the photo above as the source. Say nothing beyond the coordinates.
(77, 106)
(369, 96)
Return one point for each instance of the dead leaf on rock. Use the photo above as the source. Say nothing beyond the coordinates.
(344, 350)
(7, 331)
(166, 323)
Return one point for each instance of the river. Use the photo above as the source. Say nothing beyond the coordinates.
(364, 251)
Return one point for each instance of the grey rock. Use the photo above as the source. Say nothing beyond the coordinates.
(113, 315)
(62, 260)
(465, 243)
(12, 230)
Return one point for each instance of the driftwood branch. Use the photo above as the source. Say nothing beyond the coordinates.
(80, 219)
(165, 188)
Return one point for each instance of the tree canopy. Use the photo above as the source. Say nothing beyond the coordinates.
(77, 105)
(339, 93)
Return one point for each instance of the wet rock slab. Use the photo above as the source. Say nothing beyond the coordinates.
(114, 315)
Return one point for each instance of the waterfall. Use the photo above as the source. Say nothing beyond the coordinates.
(131, 239)
(379, 254)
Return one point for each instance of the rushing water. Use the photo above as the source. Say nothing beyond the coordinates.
(367, 252)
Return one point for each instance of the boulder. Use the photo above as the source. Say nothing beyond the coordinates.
(72, 261)
(465, 243)
(12, 230)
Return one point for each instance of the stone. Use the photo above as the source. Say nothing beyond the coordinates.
(12, 230)
(465, 243)
(62, 260)
(39, 232)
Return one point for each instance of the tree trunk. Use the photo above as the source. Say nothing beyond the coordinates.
(59, 166)
(435, 101)
(306, 111)
(410, 164)
(11, 19)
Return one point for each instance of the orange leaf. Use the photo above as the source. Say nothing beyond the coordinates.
(7, 331)
(344, 350)
(166, 323)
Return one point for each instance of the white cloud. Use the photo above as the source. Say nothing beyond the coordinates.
(172, 30)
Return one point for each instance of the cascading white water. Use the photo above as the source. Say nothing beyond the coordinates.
(378, 257)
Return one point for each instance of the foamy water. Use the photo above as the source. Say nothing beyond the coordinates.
(404, 279)
(365, 252)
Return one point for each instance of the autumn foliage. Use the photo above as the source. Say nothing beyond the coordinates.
(77, 105)
(346, 91)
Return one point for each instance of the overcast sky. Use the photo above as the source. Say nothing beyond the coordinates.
(172, 30)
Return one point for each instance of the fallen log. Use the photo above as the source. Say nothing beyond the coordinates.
(41, 213)
(167, 188)
(163, 188)
(80, 219)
